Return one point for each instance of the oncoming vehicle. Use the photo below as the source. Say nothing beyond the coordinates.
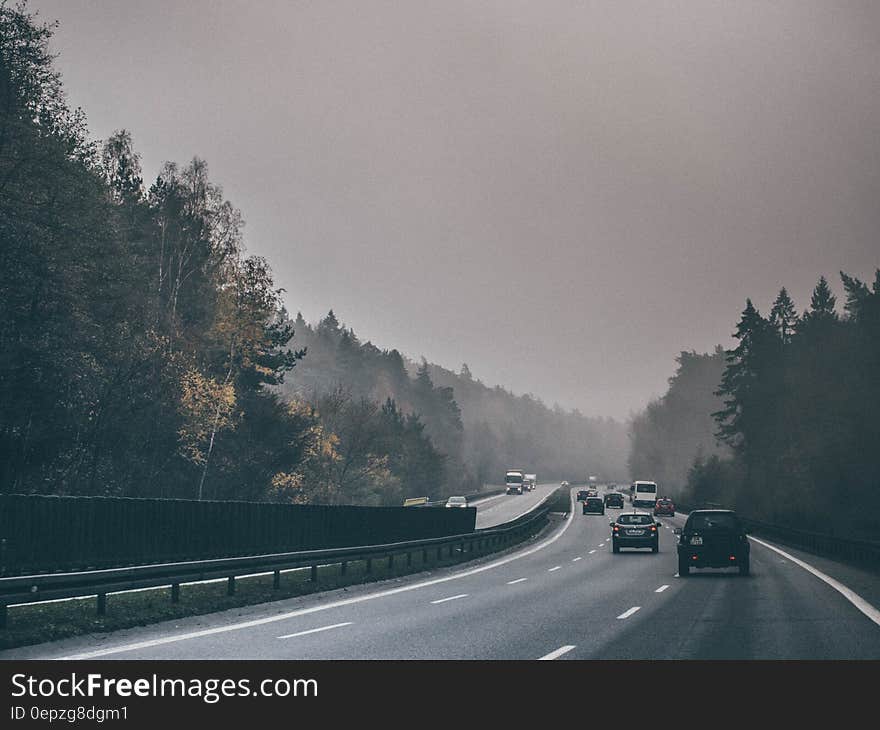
(634, 530)
(514, 481)
(531, 481)
(594, 505)
(664, 506)
(614, 499)
(713, 538)
(644, 494)
(457, 502)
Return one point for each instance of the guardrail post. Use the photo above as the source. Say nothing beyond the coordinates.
(314, 575)
(424, 555)
(276, 580)
(3, 616)
(451, 549)
(390, 562)
(439, 553)
(175, 593)
(230, 585)
(102, 604)
(409, 560)
(369, 566)
(343, 566)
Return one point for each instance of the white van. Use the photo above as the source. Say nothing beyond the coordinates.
(644, 494)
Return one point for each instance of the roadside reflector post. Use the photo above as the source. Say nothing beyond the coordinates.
(424, 555)
(314, 575)
(175, 593)
(369, 566)
(343, 566)
(3, 616)
(102, 604)
(276, 580)
(390, 562)
(409, 560)
(230, 585)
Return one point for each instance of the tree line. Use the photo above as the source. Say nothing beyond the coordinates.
(798, 438)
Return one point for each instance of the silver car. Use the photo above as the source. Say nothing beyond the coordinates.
(457, 502)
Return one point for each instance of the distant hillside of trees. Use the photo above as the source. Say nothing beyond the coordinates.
(480, 430)
(144, 353)
(678, 428)
(799, 398)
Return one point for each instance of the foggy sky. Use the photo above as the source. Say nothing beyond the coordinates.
(563, 195)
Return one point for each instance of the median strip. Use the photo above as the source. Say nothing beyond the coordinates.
(556, 654)
(315, 631)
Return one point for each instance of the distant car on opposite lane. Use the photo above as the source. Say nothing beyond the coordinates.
(634, 530)
(594, 505)
(457, 502)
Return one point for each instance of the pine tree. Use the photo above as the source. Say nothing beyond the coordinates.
(783, 316)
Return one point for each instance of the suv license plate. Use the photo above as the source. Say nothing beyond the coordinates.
(696, 540)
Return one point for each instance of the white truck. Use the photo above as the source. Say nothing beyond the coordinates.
(514, 481)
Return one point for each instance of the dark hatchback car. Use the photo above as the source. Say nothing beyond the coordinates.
(614, 499)
(634, 530)
(713, 539)
(582, 495)
(664, 506)
(594, 505)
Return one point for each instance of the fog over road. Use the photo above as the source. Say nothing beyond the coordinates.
(563, 595)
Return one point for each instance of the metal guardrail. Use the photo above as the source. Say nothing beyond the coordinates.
(48, 586)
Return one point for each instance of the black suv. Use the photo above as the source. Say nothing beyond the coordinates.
(713, 538)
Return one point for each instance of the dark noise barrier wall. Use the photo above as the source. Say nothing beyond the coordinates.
(46, 533)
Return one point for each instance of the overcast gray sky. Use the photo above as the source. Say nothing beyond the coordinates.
(561, 194)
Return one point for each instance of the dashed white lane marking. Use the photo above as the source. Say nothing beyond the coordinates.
(556, 568)
(601, 544)
(592, 551)
(850, 595)
(675, 576)
(661, 589)
(518, 580)
(574, 560)
(630, 612)
(450, 598)
(556, 654)
(149, 643)
(315, 631)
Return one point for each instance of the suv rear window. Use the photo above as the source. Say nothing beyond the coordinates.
(635, 520)
(713, 521)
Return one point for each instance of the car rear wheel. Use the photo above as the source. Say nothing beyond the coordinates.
(683, 569)
(615, 548)
(655, 549)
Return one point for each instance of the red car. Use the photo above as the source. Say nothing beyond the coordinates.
(664, 507)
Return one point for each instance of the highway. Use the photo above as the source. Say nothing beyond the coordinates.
(561, 596)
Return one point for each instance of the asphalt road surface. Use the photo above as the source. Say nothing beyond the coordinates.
(562, 596)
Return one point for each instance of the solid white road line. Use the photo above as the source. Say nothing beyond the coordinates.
(451, 598)
(574, 560)
(556, 654)
(850, 595)
(518, 580)
(592, 551)
(315, 609)
(556, 568)
(627, 614)
(315, 631)
(661, 589)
